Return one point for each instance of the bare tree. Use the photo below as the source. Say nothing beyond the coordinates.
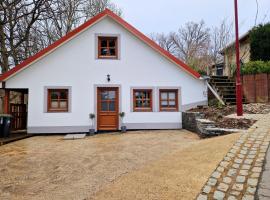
(191, 41)
(16, 19)
(220, 37)
(164, 41)
(27, 26)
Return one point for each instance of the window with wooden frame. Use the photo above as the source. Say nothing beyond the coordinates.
(142, 100)
(58, 100)
(168, 100)
(107, 47)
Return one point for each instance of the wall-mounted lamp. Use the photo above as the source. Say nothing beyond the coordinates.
(108, 77)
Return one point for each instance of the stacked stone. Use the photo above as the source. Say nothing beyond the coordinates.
(237, 175)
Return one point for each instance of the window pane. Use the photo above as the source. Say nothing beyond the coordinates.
(112, 106)
(137, 95)
(164, 103)
(163, 95)
(146, 104)
(172, 103)
(111, 95)
(172, 95)
(63, 104)
(104, 106)
(103, 43)
(112, 52)
(139, 104)
(54, 104)
(54, 95)
(63, 95)
(104, 95)
(104, 51)
(112, 43)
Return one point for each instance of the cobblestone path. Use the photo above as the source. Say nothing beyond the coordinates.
(238, 174)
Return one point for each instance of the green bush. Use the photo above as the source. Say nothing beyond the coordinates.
(260, 43)
(256, 67)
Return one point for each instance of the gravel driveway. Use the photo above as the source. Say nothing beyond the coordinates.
(48, 167)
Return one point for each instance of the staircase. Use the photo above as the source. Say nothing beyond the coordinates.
(225, 87)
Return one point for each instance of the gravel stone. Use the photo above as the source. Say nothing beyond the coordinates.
(238, 187)
(252, 152)
(220, 169)
(240, 179)
(251, 156)
(248, 197)
(243, 152)
(224, 164)
(251, 190)
(235, 193)
(238, 161)
(219, 195)
(231, 155)
(223, 187)
(246, 167)
(252, 181)
(227, 158)
(240, 156)
(243, 172)
(202, 197)
(255, 175)
(236, 166)
(256, 169)
(232, 198)
(207, 189)
(232, 172)
(216, 174)
(227, 180)
(212, 181)
(248, 161)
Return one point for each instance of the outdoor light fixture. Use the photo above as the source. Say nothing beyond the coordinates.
(108, 77)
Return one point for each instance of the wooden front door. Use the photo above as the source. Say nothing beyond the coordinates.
(107, 108)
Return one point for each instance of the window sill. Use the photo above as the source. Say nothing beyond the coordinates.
(108, 58)
(142, 110)
(168, 110)
(57, 111)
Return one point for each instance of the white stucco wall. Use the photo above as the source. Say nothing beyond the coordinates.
(74, 64)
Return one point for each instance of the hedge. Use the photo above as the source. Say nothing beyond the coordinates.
(256, 67)
(260, 43)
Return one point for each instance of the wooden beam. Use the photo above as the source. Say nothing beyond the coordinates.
(6, 102)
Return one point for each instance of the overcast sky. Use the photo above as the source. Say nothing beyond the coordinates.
(168, 15)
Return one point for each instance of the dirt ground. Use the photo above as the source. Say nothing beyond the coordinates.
(218, 115)
(135, 165)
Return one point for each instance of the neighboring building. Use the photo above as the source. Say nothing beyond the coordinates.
(105, 66)
(228, 52)
(218, 69)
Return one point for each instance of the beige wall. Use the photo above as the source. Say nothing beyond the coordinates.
(229, 56)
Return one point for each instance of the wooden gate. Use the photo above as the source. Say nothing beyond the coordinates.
(19, 114)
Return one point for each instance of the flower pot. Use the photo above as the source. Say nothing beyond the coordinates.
(91, 132)
(123, 129)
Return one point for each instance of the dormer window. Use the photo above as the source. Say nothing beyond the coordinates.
(107, 47)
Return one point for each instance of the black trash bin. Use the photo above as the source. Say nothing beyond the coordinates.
(5, 122)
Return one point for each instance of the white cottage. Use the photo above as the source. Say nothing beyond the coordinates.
(105, 66)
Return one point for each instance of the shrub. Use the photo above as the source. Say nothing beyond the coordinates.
(256, 67)
(260, 43)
